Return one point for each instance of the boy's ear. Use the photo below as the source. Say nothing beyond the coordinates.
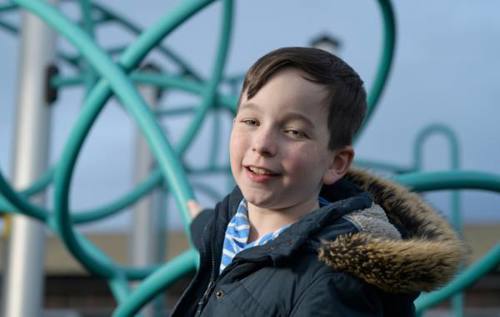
(341, 161)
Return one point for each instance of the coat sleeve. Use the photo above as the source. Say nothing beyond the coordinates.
(336, 295)
(198, 225)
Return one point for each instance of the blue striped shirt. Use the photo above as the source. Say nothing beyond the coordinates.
(238, 231)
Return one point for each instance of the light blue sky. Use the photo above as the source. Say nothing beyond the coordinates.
(446, 71)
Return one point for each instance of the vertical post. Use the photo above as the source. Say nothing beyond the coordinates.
(146, 243)
(23, 279)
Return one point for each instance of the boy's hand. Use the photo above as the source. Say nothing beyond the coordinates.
(194, 208)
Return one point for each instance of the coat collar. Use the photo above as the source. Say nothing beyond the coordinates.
(427, 256)
(344, 196)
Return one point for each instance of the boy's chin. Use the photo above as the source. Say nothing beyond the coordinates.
(260, 201)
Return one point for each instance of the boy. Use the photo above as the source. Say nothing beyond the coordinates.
(302, 234)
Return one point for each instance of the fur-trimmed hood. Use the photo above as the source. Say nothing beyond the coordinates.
(425, 256)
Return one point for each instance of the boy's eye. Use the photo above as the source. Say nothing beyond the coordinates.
(250, 122)
(298, 134)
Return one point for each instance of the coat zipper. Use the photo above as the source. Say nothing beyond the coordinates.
(202, 301)
(211, 283)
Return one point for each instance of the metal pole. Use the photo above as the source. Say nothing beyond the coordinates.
(23, 279)
(146, 246)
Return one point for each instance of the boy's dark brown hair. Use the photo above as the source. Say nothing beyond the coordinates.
(346, 94)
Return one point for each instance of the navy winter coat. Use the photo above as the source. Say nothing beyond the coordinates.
(349, 258)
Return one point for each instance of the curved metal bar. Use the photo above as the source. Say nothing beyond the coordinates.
(78, 217)
(6, 7)
(209, 94)
(454, 152)
(433, 181)
(465, 279)
(157, 283)
(186, 69)
(9, 27)
(19, 202)
(385, 64)
(11, 201)
(115, 17)
(119, 287)
(175, 111)
(432, 130)
(143, 188)
(67, 81)
(40, 184)
(168, 81)
(6, 206)
(227, 102)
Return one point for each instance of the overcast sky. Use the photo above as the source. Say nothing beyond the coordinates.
(446, 70)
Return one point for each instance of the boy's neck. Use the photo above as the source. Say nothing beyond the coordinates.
(263, 220)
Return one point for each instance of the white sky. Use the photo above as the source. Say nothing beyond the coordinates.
(446, 71)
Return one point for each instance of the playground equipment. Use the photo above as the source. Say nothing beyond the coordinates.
(102, 77)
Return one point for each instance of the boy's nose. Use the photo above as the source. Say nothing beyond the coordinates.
(264, 143)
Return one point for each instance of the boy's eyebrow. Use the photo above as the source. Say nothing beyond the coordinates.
(288, 116)
(250, 106)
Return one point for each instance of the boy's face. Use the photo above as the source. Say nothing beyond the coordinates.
(279, 143)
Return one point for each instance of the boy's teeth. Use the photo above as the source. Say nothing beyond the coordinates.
(259, 171)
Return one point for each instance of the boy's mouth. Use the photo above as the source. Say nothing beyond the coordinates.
(260, 171)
